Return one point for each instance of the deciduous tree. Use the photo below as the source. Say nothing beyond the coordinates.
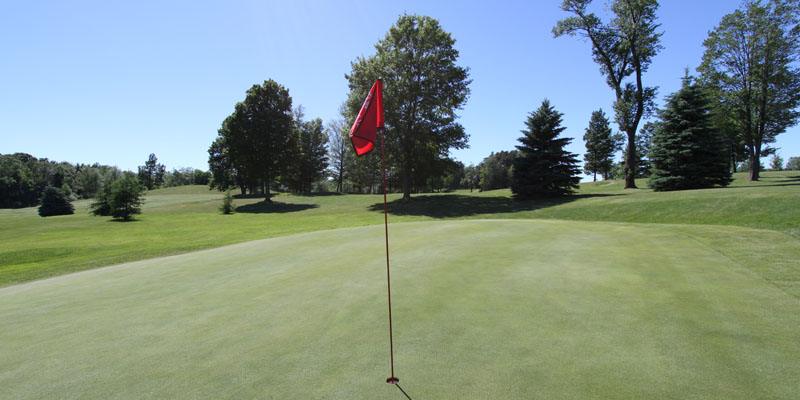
(750, 67)
(423, 87)
(623, 47)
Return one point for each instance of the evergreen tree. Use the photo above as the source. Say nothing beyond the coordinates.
(227, 203)
(544, 168)
(151, 174)
(127, 196)
(600, 146)
(55, 202)
(688, 151)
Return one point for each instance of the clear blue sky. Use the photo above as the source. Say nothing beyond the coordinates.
(111, 82)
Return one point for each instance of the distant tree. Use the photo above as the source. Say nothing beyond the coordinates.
(688, 152)
(223, 174)
(200, 177)
(127, 197)
(623, 47)
(600, 146)
(471, 178)
(495, 170)
(338, 148)
(151, 174)
(454, 176)
(101, 206)
(544, 168)
(89, 182)
(793, 164)
(776, 164)
(17, 185)
(310, 158)
(255, 144)
(750, 66)
(55, 202)
(227, 203)
(423, 88)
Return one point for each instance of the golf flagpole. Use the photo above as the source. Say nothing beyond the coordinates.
(363, 136)
(391, 378)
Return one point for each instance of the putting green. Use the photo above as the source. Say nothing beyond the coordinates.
(482, 309)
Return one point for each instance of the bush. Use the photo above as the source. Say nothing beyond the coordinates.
(227, 203)
(55, 202)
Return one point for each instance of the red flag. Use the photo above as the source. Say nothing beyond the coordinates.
(364, 132)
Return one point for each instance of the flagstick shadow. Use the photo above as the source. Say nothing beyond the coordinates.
(404, 392)
(456, 205)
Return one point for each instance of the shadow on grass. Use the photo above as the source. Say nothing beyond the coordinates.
(319, 194)
(253, 196)
(769, 181)
(273, 207)
(455, 205)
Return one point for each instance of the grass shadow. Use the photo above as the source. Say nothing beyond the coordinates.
(456, 205)
(273, 207)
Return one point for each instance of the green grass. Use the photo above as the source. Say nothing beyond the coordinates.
(185, 219)
(482, 309)
(611, 293)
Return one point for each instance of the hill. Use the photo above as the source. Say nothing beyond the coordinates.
(184, 219)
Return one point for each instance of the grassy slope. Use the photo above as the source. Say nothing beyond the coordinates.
(180, 220)
(483, 309)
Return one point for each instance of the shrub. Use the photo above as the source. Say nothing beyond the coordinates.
(227, 203)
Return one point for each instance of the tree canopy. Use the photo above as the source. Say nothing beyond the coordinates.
(423, 88)
(750, 67)
(255, 143)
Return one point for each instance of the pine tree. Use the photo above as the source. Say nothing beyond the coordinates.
(55, 202)
(600, 146)
(688, 152)
(544, 168)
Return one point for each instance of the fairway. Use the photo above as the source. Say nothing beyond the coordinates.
(507, 309)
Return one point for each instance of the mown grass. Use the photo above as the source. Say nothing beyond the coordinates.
(503, 309)
(180, 220)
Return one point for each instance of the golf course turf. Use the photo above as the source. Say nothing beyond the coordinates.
(506, 309)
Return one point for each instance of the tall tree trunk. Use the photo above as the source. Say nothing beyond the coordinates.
(630, 162)
(595, 176)
(406, 185)
(266, 190)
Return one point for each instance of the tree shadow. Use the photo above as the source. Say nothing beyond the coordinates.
(319, 194)
(782, 181)
(274, 207)
(253, 196)
(456, 205)
(123, 220)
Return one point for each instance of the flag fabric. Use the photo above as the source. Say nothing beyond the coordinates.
(364, 132)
